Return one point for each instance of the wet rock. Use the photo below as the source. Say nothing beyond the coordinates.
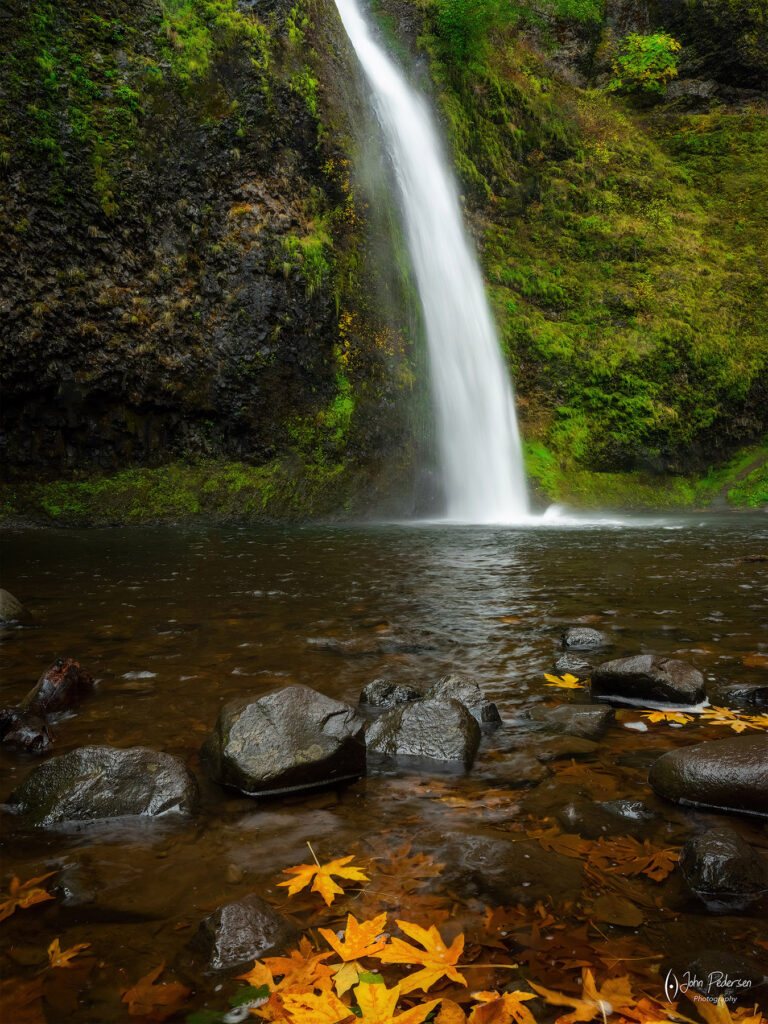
(520, 769)
(693, 92)
(439, 730)
(564, 746)
(747, 696)
(728, 775)
(13, 611)
(573, 664)
(649, 677)
(24, 731)
(466, 690)
(293, 738)
(382, 693)
(718, 972)
(582, 638)
(106, 782)
(629, 810)
(239, 933)
(60, 687)
(589, 721)
(723, 870)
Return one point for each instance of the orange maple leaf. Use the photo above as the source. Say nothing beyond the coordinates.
(718, 1013)
(24, 894)
(146, 999)
(61, 958)
(724, 716)
(361, 938)
(314, 1008)
(565, 682)
(614, 995)
(667, 716)
(378, 1003)
(502, 1008)
(303, 967)
(320, 876)
(437, 959)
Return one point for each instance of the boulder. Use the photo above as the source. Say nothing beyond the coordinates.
(573, 664)
(749, 697)
(106, 782)
(648, 677)
(13, 611)
(727, 775)
(290, 739)
(23, 731)
(439, 730)
(589, 721)
(581, 638)
(382, 693)
(62, 685)
(238, 933)
(723, 870)
(466, 690)
(692, 91)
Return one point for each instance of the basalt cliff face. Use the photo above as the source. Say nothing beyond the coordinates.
(206, 302)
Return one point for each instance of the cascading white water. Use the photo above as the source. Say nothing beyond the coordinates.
(479, 442)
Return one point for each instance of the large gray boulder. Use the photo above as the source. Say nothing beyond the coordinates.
(438, 730)
(466, 690)
(290, 739)
(239, 933)
(63, 685)
(383, 693)
(727, 775)
(723, 870)
(589, 721)
(12, 610)
(106, 782)
(648, 677)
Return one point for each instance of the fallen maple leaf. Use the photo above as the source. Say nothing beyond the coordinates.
(502, 1008)
(613, 996)
(320, 876)
(315, 1008)
(724, 716)
(61, 958)
(361, 938)
(24, 894)
(437, 959)
(718, 1013)
(565, 682)
(146, 999)
(378, 1003)
(667, 716)
(302, 968)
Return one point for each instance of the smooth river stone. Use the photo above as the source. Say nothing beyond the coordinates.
(466, 690)
(436, 730)
(727, 775)
(723, 870)
(582, 638)
(589, 721)
(649, 677)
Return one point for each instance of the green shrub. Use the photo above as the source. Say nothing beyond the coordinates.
(645, 64)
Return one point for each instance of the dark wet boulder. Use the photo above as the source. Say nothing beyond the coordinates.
(581, 638)
(383, 693)
(12, 611)
(437, 730)
(573, 664)
(727, 775)
(466, 690)
(589, 721)
(746, 696)
(63, 685)
(239, 933)
(647, 677)
(290, 739)
(106, 782)
(723, 870)
(24, 731)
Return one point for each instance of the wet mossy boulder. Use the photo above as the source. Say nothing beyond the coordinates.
(648, 677)
(726, 775)
(290, 739)
(63, 685)
(433, 730)
(92, 783)
(466, 690)
(383, 693)
(240, 932)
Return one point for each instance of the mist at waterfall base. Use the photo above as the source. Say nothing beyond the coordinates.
(480, 453)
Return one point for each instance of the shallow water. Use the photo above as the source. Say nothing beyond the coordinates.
(174, 621)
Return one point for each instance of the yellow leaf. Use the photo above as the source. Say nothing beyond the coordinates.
(311, 1008)
(724, 716)
(303, 967)
(61, 958)
(437, 958)
(321, 874)
(378, 1004)
(361, 938)
(667, 716)
(566, 682)
(504, 1008)
(613, 996)
(258, 975)
(24, 894)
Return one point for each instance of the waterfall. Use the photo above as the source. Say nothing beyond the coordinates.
(479, 443)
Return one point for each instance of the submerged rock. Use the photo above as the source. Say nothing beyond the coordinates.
(581, 638)
(589, 721)
(747, 696)
(649, 677)
(240, 932)
(723, 870)
(439, 730)
(382, 693)
(291, 739)
(106, 782)
(466, 690)
(23, 731)
(727, 775)
(62, 685)
(13, 611)
(573, 664)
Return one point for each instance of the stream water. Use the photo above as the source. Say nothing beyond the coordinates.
(173, 621)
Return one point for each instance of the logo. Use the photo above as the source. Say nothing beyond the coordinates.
(715, 985)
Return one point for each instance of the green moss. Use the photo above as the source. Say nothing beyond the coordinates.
(752, 491)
